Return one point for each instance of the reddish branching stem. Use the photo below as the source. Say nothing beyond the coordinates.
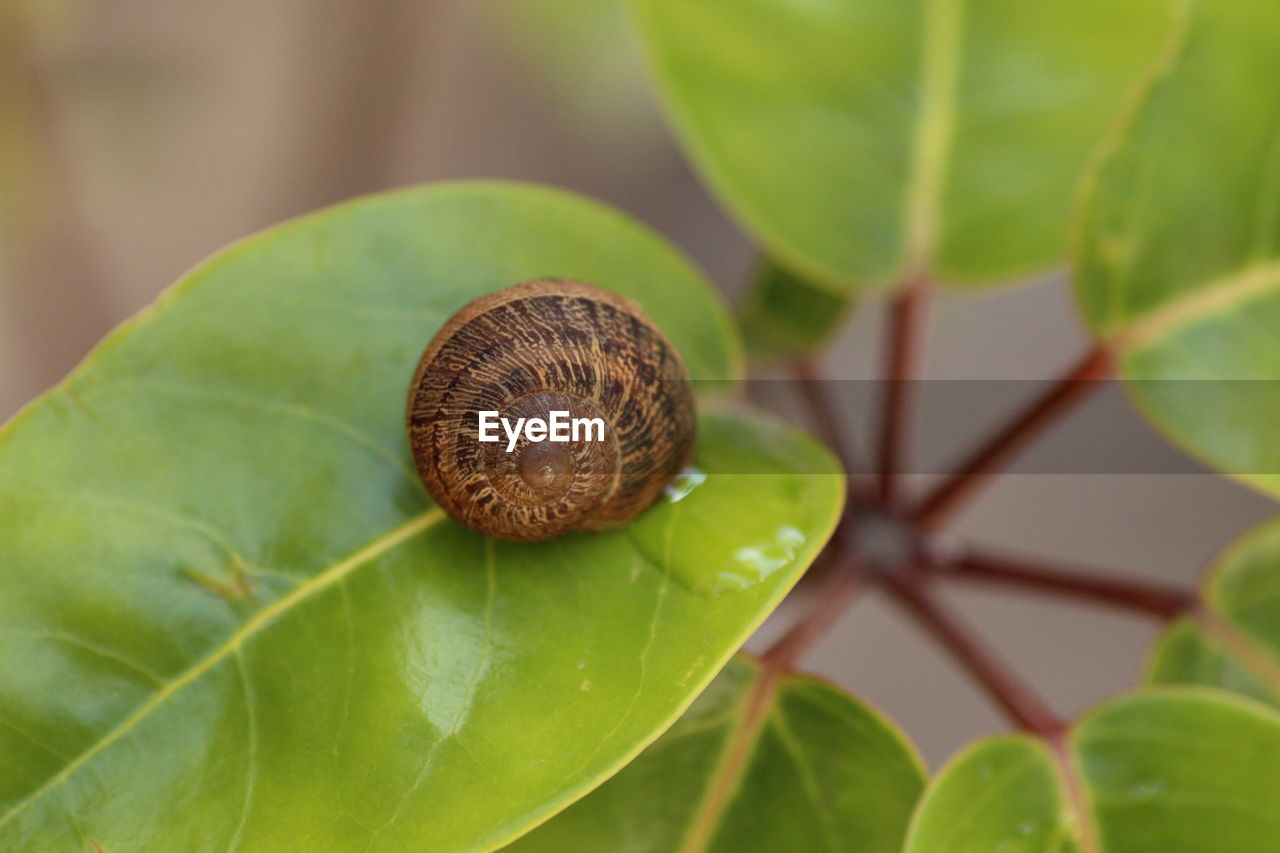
(1014, 697)
(842, 566)
(901, 367)
(1158, 600)
(1073, 387)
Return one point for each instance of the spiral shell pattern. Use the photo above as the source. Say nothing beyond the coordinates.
(526, 351)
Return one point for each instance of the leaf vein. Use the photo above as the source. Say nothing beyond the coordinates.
(34, 740)
(91, 647)
(1218, 297)
(782, 726)
(935, 127)
(293, 410)
(251, 768)
(261, 618)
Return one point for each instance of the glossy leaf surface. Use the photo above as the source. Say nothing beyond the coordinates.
(1184, 770)
(231, 618)
(1000, 794)
(759, 763)
(1179, 263)
(1190, 771)
(860, 142)
(1235, 642)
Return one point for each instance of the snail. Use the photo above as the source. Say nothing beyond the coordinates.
(558, 353)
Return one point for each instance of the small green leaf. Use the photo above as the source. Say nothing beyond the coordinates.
(787, 317)
(1002, 794)
(758, 763)
(1179, 263)
(860, 142)
(1234, 643)
(1185, 654)
(1174, 770)
(230, 617)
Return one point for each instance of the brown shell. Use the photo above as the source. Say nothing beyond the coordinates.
(544, 345)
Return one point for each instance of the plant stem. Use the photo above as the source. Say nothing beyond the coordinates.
(902, 356)
(1014, 697)
(1073, 387)
(1163, 602)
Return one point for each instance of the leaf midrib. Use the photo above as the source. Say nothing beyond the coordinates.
(1076, 797)
(939, 77)
(1241, 647)
(1218, 297)
(742, 741)
(303, 591)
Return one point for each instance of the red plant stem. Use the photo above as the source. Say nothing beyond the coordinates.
(1163, 602)
(822, 610)
(902, 356)
(823, 411)
(1065, 393)
(1014, 697)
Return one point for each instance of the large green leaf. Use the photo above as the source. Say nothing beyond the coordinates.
(231, 618)
(863, 141)
(1183, 770)
(1234, 641)
(1179, 262)
(760, 762)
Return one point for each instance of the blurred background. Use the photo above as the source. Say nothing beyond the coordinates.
(138, 137)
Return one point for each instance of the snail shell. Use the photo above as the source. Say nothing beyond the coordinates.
(526, 351)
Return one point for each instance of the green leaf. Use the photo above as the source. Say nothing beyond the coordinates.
(760, 762)
(1184, 770)
(230, 615)
(1003, 793)
(1188, 771)
(865, 142)
(1234, 641)
(786, 316)
(1186, 654)
(1179, 263)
